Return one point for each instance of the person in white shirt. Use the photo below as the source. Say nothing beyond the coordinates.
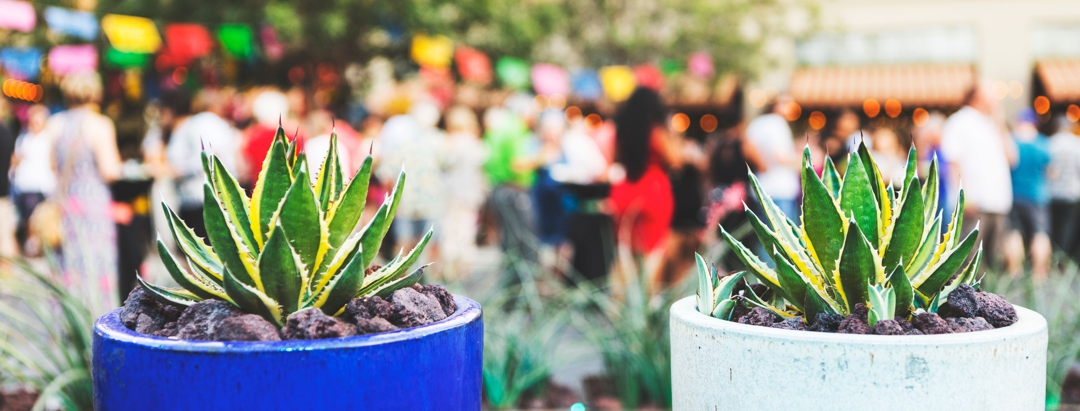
(981, 153)
(1064, 184)
(33, 178)
(771, 135)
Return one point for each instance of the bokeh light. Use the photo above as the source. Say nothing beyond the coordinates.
(573, 113)
(1042, 105)
(871, 107)
(794, 111)
(680, 122)
(22, 90)
(540, 102)
(296, 75)
(708, 123)
(758, 98)
(1073, 113)
(817, 120)
(557, 101)
(893, 107)
(920, 117)
(1000, 90)
(179, 76)
(593, 121)
(577, 407)
(1016, 90)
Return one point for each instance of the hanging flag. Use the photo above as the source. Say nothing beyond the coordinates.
(185, 42)
(618, 81)
(73, 59)
(549, 79)
(236, 39)
(125, 59)
(648, 75)
(473, 65)
(432, 51)
(671, 67)
(513, 72)
(81, 24)
(586, 84)
(21, 63)
(130, 34)
(271, 45)
(700, 64)
(17, 15)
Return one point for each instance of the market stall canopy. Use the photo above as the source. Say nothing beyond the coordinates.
(930, 85)
(1060, 79)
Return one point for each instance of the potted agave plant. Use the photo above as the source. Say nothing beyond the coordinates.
(285, 309)
(868, 304)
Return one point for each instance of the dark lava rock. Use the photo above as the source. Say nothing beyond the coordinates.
(739, 311)
(998, 312)
(966, 325)
(367, 308)
(794, 324)
(440, 294)
(417, 309)
(313, 324)
(961, 302)
(169, 330)
(852, 324)
(827, 322)
(145, 315)
(374, 325)
(888, 327)
(904, 324)
(247, 327)
(861, 312)
(200, 320)
(931, 323)
(758, 316)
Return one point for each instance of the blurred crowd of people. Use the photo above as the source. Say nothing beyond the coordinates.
(571, 188)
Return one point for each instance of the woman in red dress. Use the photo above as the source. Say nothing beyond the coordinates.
(643, 202)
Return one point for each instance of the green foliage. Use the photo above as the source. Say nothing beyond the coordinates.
(292, 245)
(870, 245)
(45, 335)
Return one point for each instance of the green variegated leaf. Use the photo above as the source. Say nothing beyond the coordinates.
(235, 256)
(823, 223)
(251, 300)
(292, 152)
(279, 268)
(754, 299)
(856, 265)
(882, 303)
(878, 185)
(930, 190)
(300, 219)
(857, 199)
(935, 278)
(344, 215)
(757, 268)
(907, 231)
(274, 181)
(329, 170)
(724, 309)
(819, 302)
(393, 271)
(904, 293)
(234, 202)
(792, 287)
(300, 165)
(831, 178)
(726, 288)
(376, 229)
(809, 270)
(192, 245)
(927, 247)
(341, 286)
(175, 296)
(193, 281)
(333, 264)
(957, 222)
(967, 276)
(388, 288)
(705, 274)
(912, 167)
(781, 224)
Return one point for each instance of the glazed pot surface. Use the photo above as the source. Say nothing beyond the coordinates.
(431, 367)
(722, 365)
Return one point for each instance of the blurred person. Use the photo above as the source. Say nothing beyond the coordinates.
(1064, 186)
(510, 169)
(582, 173)
(771, 134)
(208, 131)
(465, 155)
(32, 174)
(729, 157)
(891, 159)
(421, 153)
(268, 108)
(1030, 216)
(86, 160)
(548, 195)
(317, 148)
(687, 220)
(643, 201)
(9, 217)
(981, 153)
(838, 142)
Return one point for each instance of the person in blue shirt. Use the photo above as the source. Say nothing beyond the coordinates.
(1031, 196)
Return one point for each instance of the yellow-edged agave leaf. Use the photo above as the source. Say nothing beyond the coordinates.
(927, 247)
(274, 181)
(329, 171)
(823, 224)
(177, 296)
(781, 224)
(192, 245)
(930, 190)
(192, 281)
(908, 229)
(341, 286)
(757, 268)
(882, 303)
(344, 215)
(251, 300)
(279, 268)
(234, 201)
(857, 199)
(376, 229)
(856, 267)
(334, 263)
(754, 299)
(878, 186)
(905, 294)
(298, 165)
(910, 170)
(952, 235)
(235, 256)
(705, 274)
(389, 278)
(724, 309)
(300, 218)
(792, 287)
(803, 263)
(726, 286)
(831, 178)
(967, 276)
(935, 278)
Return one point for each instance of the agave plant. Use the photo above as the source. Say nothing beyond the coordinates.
(860, 241)
(292, 245)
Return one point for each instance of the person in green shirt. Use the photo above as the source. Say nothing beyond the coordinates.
(510, 169)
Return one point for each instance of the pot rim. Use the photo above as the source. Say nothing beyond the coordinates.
(1029, 323)
(110, 327)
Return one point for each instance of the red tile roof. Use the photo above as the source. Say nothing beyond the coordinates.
(1061, 79)
(933, 85)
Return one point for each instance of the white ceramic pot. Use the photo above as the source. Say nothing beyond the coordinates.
(721, 365)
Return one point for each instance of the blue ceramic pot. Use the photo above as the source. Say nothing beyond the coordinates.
(431, 367)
